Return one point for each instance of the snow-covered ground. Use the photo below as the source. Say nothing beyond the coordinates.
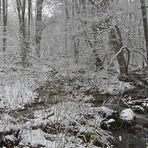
(70, 123)
(65, 124)
(17, 85)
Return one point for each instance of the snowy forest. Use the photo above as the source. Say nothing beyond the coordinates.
(74, 74)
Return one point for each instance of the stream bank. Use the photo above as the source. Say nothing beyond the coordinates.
(69, 112)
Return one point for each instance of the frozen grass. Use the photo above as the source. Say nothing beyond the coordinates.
(35, 138)
(70, 116)
(17, 86)
(108, 83)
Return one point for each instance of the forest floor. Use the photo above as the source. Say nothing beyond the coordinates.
(81, 109)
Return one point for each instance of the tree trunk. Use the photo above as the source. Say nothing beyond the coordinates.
(5, 13)
(75, 39)
(93, 45)
(21, 7)
(66, 18)
(117, 44)
(29, 19)
(39, 8)
(0, 11)
(98, 62)
(145, 23)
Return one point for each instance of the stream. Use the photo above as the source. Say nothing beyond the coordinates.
(133, 137)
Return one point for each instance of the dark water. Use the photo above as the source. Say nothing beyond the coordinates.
(134, 137)
(130, 140)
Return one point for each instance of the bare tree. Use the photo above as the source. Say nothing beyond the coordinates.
(39, 7)
(0, 10)
(117, 43)
(95, 34)
(5, 13)
(145, 23)
(75, 39)
(21, 9)
(29, 19)
(66, 18)
(98, 62)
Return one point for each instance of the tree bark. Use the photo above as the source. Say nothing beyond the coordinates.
(29, 19)
(117, 44)
(145, 23)
(39, 8)
(0, 11)
(21, 7)
(98, 62)
(66, 18)
(75, 39)
(5, 13)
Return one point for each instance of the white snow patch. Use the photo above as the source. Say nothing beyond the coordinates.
(16, 90)
(10, 137)
(120, 138)
(43, 114)
(138, 107)
(88, 98)
(110, 121)
(7, 123)
(112, 85)
(145, 103)
(35, 138)
(105, 110)
(127, 115)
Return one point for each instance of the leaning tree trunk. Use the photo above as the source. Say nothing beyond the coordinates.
(145, 23)
(39, 8)
(5, 9)
(117, 44)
